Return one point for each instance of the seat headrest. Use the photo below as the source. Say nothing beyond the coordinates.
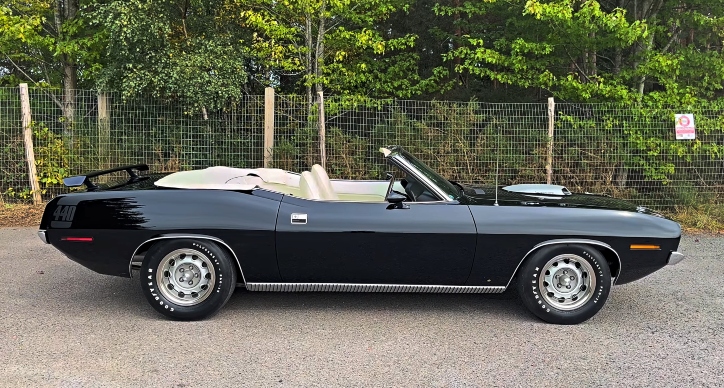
(325, 185)
(309, 187)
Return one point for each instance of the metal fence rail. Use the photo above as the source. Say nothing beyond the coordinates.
(625, 151)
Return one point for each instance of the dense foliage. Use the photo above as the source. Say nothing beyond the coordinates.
(213, 52)
(646, 59)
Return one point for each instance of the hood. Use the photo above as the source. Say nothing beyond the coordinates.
(539, 195)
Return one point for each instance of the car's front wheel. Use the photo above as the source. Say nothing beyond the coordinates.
(565, 284)
(187, 279)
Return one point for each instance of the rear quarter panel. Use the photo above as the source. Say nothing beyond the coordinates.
(120, 221)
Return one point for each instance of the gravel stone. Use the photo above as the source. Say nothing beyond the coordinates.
(65, 326)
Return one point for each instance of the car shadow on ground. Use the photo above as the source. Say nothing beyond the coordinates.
(507, 305)
(104, 294)
(85, 291)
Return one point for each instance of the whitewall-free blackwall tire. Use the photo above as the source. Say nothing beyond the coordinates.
(187, 279)
(565, 284)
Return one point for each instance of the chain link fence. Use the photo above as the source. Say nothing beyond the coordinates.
(624, 151)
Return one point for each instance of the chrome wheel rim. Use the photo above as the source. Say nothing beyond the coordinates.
(567, 282)
(185, 277)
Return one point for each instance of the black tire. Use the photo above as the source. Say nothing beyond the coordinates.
(565, 284)
(196, 265)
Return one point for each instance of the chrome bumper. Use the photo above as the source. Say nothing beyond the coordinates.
(43, 236)
(675, 258)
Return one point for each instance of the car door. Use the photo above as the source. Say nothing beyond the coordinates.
(374, 242)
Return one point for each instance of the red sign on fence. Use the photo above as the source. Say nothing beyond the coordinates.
(685, 129)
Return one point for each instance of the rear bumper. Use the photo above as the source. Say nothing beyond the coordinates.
(675, 258)
(43, 236)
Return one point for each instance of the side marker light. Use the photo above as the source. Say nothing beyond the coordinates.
(645, 247)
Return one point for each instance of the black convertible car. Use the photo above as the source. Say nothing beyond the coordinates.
(194, 236)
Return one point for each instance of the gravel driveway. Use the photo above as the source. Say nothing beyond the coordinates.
(64, 325)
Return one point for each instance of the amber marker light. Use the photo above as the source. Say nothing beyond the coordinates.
(644, 247)
(77, 239)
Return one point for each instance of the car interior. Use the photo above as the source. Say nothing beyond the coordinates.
(314, 184)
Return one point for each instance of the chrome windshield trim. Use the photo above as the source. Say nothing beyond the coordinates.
(570, 241)
(420, 177)
(177, 236)
(358, 287)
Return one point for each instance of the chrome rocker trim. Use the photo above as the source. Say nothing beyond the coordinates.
(570, 241)
(355, 287)
(177, 236)
(675, 258)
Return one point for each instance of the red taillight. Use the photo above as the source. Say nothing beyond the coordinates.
(77, 239)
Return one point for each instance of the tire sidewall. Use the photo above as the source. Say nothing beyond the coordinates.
(225, 281)
(529, 289)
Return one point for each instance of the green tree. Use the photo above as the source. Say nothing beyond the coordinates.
(47, 43)
(336, 45)
(555, 46)
(680, 61)
(171, 49)
(581, 50)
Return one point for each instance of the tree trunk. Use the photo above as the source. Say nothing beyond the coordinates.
(65, 11)
(642, 81)
(319, 52)
(70, 84)
(618, 54)
(310, 48)
(458, 32)
(617, 61)
(647, 11)
(593, 71)
(318, 69)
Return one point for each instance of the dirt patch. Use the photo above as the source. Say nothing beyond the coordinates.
(21, 215)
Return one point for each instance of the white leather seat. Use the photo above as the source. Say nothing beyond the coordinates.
(309, 187)
(325, 185)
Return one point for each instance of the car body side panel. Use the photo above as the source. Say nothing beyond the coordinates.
(507, 233)
(357, 242)
(107, 254)
(120, 221)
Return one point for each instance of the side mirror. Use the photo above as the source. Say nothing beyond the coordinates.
(395, 198)
(396, 201)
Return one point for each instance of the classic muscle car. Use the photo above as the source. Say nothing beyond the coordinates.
(193, 236)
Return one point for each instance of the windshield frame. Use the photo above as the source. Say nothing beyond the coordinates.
(440, 186)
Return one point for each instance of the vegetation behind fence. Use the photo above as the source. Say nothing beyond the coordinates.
(626, 151)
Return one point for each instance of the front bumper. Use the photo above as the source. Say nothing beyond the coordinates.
(43, 236)
(675, 258)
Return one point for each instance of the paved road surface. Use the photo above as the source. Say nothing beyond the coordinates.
(63, 325)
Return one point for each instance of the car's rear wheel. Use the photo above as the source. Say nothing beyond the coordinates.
(565, 284)
(187, 279)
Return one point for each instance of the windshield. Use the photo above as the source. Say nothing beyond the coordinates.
(450, 190)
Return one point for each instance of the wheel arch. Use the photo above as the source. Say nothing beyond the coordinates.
(610, 254)
(140, 253)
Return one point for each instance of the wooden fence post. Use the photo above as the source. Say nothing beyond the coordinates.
(268, 126)
(322, 131)
(28, 140)
(104, 132)
(551, 125)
